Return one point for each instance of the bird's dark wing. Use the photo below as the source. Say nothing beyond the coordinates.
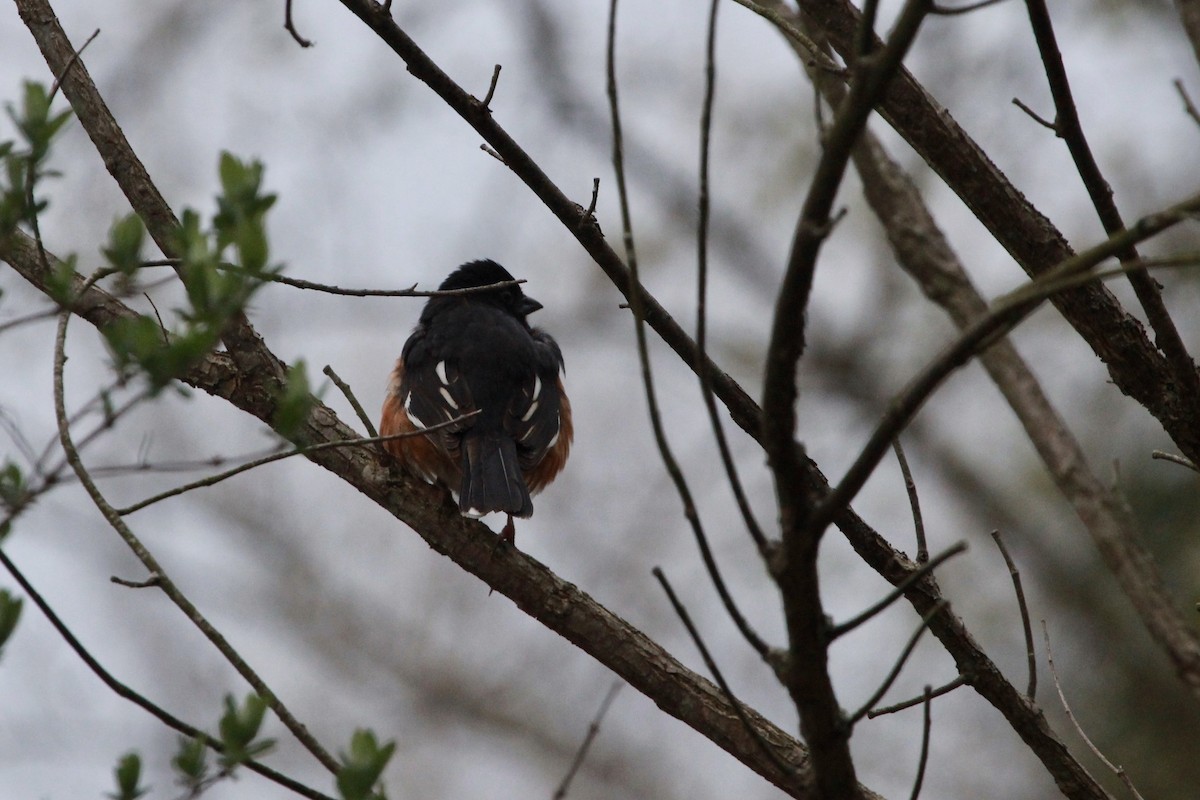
(534, 416)
(433, 391)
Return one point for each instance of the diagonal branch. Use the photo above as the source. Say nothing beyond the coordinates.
(1118, 339)
(124, 165)
(1068, 126)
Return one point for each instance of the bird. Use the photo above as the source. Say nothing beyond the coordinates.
(474, 361)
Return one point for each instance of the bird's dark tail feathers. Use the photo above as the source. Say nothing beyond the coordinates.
(492, 478)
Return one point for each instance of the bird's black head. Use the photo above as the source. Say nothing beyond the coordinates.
(485, 273)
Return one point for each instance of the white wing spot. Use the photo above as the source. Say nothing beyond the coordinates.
(440, 369)
(537, 386)
(529, 414)
(446, 396)
(553, 441)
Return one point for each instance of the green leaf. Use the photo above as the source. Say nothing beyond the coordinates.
(13, 488)
(241, 212)
(238, 728)
(10, 612)
(125, 238)
(363, 765)
(191, 761)
(60, 283)
(128, 773)
(139, 342)
(294, 402)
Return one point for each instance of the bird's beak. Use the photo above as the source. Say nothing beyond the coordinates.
(529, 305)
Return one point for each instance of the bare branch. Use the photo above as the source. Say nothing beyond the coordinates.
(917, 574)
(1175, 459)
(710, 403)
(910, 486)
(1005, 314)
(1116, 770)
(670, 463)
(344, 388)
(213, 480)
(1071, 130)
(290, 27)
(916, 701)
(709, 662)
(926, 727)
(899, 665)
(585, 745)
(165, 583)
(1030, 655)
(123, 691)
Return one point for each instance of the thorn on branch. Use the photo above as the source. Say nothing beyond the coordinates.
(1034, 116)
(591, 209)
(1182, 461)
(487, 148)
(154, 581)
(290, 27)
(487, 98)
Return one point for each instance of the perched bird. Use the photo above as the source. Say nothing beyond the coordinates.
(476, 352)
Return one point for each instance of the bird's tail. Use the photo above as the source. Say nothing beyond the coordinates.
(492, 479)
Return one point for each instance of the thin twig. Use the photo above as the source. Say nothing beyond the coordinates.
(290, 27)
(946, 688)
(1030, 655)
(1033, 115)
(917, 574)
(153, 582)
(686, 619)
(123, 691)
(706, 390)
(636, 305)
(487, 98)
(36, 316)
(950, 11)
(344, 388)
(168, 586)
(1175, 459)
(74, 60)
(899, 665)
(1116, 770)
(591, 209)
(1188, 105)
(926, 728)
(593, 729)
(212, 480)
(300, 283)
(910, 486)
(816, 57)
